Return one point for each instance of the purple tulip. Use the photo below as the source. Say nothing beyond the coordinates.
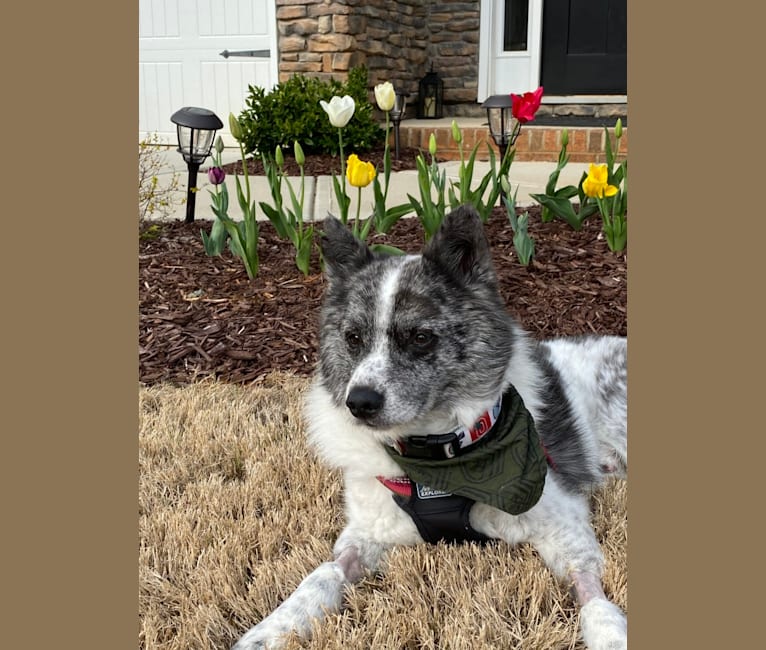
(216, 175)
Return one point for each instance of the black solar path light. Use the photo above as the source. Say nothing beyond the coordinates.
(196, 129)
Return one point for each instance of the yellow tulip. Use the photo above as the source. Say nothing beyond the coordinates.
(385, 96)
(358, 172)
(596, 185)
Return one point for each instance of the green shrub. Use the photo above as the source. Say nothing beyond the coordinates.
(291, 113)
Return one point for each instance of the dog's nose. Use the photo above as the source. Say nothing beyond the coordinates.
(364, 402)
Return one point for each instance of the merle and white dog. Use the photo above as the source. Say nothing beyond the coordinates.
(419, 362)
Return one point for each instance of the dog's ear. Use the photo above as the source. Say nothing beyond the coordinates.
(342, 252)
(460, 247)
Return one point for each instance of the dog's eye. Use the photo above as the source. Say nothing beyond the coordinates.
(423, 339)
(353, 339)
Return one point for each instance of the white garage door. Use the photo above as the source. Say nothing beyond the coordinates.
(181, 63)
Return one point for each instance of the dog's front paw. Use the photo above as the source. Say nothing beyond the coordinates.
(319, 593)
(604, 626)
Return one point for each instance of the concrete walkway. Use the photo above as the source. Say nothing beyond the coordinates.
(528, 177)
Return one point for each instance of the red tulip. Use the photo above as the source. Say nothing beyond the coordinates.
(525, 106)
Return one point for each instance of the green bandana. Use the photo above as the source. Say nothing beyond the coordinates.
(506, 471)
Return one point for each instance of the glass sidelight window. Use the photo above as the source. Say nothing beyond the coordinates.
(515, 29)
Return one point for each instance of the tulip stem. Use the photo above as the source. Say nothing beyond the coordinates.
(386, 159)
(343, 209)
(303, 190)
(342, 160)
(358, 209)
(244, 171)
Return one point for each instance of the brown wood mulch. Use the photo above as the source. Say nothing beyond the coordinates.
(326, 164)
(201, 316)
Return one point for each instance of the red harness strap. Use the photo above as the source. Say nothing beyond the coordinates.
(548, 456)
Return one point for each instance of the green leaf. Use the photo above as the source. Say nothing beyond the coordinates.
(241, 196)
(454, 201)
(393, 215)
(215, 243)
(296, 215)
(251, 247)
(586, 210)
(343, 200)
(616, 178)
(562, 208)
(550, 188)
(525, 247)
(303, 252)
(277, 220)
(224, 198)
(565, 192)
(417, 206)
(210, 247)
(510, 209)
(235, 237)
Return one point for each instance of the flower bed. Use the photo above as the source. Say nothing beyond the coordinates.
(202, 316)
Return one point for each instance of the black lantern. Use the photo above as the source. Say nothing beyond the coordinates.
(502, 125)
(397, 114)
(196, 128)
(430, 96)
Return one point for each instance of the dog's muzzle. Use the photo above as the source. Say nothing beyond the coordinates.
(364, 402)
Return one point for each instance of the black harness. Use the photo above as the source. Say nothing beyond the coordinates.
(440, 515)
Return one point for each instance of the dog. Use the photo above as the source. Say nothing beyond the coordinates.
(450, 422)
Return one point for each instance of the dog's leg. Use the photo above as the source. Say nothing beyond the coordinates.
(561, 532)
(603, 623)
(320, 593)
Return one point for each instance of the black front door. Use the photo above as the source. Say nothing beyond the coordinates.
(584, 47)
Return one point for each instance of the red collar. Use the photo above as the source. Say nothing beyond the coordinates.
(454, 443)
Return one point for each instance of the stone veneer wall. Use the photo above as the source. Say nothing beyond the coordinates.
(454, 52)
(397, 41)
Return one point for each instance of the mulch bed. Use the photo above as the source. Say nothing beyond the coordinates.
(326, 164)
(201, 316)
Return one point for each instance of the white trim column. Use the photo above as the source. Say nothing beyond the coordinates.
(504, 72)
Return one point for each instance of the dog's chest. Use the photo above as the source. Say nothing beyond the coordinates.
(371, 508)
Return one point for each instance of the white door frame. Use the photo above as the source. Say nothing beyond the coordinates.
(505, 72)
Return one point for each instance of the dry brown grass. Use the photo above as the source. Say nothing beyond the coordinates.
(234, 512)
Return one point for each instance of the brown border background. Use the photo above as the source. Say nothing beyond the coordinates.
(70, 320)
(694, 297)
(70, 323)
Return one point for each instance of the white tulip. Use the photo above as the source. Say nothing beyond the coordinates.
(385, 96)
(340, 110)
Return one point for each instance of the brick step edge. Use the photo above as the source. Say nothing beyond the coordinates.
(535, 143)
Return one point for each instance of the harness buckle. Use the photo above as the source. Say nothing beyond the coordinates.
(436, 447)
